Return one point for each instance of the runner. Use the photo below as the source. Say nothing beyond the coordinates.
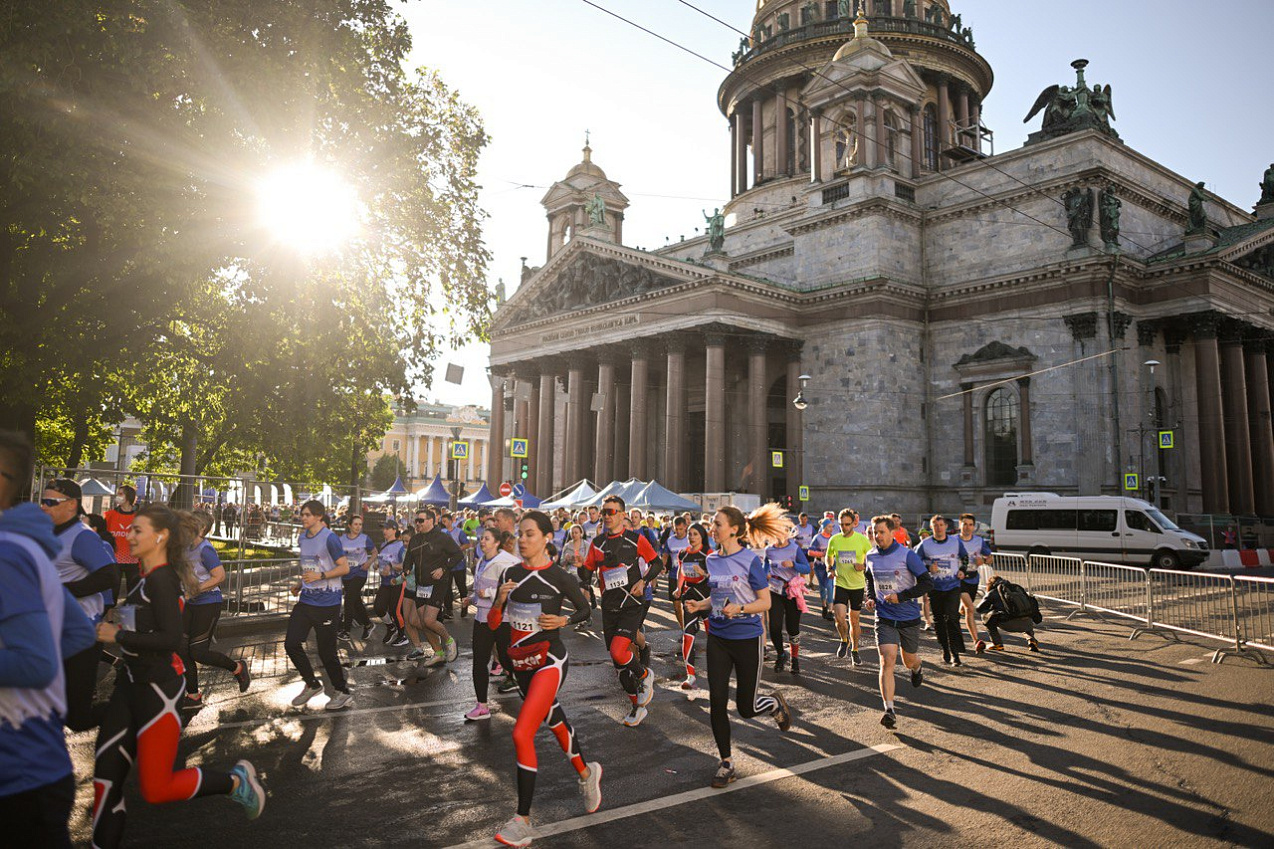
(572, 556)
(488, 575)
(896, 579)
(672, 545)
(846, 556)
(739, 595)
(87, 568)
(817, 555)
(317, 608)
(118, 518)
(385, 605)
(140, 724)
(359, 551)
(784, 566)
(201, 612)
(427, 563)
(944, 557)
(592, 524)
(900, 531)
(459, 572)
(979, 551)
(692, 585)
(528, 606)
(617, 556)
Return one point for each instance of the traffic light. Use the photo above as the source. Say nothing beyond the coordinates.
(525, 470)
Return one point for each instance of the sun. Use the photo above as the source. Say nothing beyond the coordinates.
(308, 208)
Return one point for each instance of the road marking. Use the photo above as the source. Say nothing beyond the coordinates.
(664, 802)
(1193, 660)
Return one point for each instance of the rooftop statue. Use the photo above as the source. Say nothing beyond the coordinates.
(1070, 110)
(596, 209)
(1079, 214)
(1108, 218)
(1198, 217)
(716, 230)
(1267, 186)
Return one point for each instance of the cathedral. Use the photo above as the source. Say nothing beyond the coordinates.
(890, 314)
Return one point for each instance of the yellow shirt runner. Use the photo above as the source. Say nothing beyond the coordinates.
(842, 553)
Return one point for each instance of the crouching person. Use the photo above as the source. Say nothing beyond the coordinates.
(1008, 607)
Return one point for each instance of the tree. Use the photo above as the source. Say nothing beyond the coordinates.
(386, 469)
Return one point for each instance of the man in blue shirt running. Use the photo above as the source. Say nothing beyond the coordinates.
(896, 580)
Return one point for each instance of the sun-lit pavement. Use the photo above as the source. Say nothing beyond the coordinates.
(1096, 741)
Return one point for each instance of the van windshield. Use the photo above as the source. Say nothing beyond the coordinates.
(1162, 520)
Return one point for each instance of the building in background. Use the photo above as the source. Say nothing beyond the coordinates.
(422, 441)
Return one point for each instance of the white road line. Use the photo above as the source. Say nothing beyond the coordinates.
(1193, 660)
(664, 802)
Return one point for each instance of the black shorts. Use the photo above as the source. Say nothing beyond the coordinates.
(853, 598)
(440, 597)
(970, 587)
(625, 622)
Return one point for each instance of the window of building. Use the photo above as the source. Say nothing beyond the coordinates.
(831, 10)
(1001, 438)
(397, 446)
(931, 137)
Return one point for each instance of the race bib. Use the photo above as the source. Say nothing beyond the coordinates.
(690, 569)
(310, 564)
(886, 586)
(721, 596)
(615, 578)
(846, 559)
(523, 616)
(126, 616)
(425, 591)
(776, 584)
(947, 566)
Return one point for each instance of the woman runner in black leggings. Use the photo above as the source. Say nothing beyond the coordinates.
(202, 611)
(692, 585)
(140, 724)
(488, 575)
(530, 603)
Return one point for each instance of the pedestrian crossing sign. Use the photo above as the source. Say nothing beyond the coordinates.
(1166, 439)
(460, 449)
(776, 459)
(519, 448)
(804, 493)
(1131, 481)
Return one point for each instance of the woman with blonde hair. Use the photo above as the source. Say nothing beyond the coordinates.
(739, 595)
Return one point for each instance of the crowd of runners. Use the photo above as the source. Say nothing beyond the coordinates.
(143, 595)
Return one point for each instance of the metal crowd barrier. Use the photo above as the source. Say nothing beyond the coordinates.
(255, 588)
(1116, 590)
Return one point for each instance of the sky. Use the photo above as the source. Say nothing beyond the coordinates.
(1186, 77)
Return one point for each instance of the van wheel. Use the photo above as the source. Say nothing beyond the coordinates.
(1040, 550)
(1165, 559)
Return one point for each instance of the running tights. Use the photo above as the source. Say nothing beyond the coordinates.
(80, 670)
(355, 609)
(688, 633)
(483, 644)
(322, 621)
(743, 658)
(386, 602)
(785, 613)
(945, 605)
(141, 725)
(539, 691)
(199, 623)
(628, 664)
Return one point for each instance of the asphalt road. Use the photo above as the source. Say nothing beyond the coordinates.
(1096, 741)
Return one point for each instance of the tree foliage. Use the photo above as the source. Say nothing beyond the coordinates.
(385, 471)
(135, 274)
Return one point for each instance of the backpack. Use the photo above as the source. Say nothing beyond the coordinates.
(1017, 601)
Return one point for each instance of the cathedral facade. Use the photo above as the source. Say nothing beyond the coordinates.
(956, 321)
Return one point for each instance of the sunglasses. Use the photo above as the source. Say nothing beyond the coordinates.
(52, 502)
(421, 521)
(611, 512)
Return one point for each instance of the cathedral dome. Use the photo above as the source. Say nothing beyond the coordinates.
(587, 167)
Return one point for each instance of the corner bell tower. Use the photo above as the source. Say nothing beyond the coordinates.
(568, 201)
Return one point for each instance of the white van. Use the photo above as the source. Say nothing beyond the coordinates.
(1094, 527)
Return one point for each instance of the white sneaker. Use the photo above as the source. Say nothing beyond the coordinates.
(452, 650)
(435, 660)
(689, 683)
(516, 832)
(591, 787)
(635, 716)
(307, 692)
(340, 701)
(646, 688)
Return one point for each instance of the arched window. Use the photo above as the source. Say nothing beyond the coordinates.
(1001, 438)
(891, 139)
(931, 137)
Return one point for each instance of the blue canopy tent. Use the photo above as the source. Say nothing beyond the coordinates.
(435, 494)
(656, 497)
(575, 496)
(398, 488)
(481, 498)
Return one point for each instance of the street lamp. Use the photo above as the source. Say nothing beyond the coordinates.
(799, 401)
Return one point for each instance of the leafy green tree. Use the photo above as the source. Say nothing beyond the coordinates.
(385, 471)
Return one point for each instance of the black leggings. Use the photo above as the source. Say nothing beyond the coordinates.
(80, 670)
(355, 609)
(586, 584)
(199, 623)
(322, 621)
(460, 578)
(140, 726)
(484, 644)
(783, 611)
(743, 658)
(945, 606)
(386, 603)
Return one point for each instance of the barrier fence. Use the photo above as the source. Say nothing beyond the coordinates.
(260, 588)
(1238, 610)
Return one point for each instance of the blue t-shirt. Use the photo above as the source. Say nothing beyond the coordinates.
(819, 543)
(357, 550)
(390, 553)
(783, 563)
(83, 553)
(735, 579)
(462, 539)
(975, 546)
(672, 547)
(895, 570)
(948, 556)
(203, 559)
(320, 553)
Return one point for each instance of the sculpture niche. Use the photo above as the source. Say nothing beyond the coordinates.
(1070, 110)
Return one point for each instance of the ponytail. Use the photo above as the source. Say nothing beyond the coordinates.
(179, 539)
(766, 525)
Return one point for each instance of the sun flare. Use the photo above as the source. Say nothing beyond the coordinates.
(308, 207)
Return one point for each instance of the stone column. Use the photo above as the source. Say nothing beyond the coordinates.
(496, 444)
(962, 109)
(675, 416)
(1026, 469)
(758, 142)
(780, 135)
(868, 147)
(604, 452)
(944, 118)
(734, 156)
(714, 414)
(816, 146)
(576, 405)
(1259, 424)
(970, 460)
(1238, 443)
(1207, 371)
(637, 431)
(882, 143)
(473, 449)
(521, 408)
(795, 457)
(623, 421)
(917, 141)
(758, 437)
(425, 469)
(544, 433)
(740, 152)
(975, 117)
(533, 434)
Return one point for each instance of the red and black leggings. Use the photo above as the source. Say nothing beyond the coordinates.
(141, 725)
(539, 689)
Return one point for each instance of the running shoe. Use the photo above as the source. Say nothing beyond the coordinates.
(581, 627)
(591, 787)
(635, 716)
(782, 713)
(946, 657)
(340, 701)
(854, 658)
(368, 629)
(955, 660)
(889, 719)
(343, 636)
(192, 702)
(400, 641)
(917, 677)
(724, 775)
(308, 692)
(479, 712)
(780, 662)
(243, 675)
(997, 647)
(250, 793)
(827, 614)
(390, 632)
(497, 669)
(508, 685)
(436, 659)
(980, 646)
(416, 653)
(928, 626)
(796, 665)
(516, 832)
(689, 683)
(646, 688)
(452, 650)
(1032, 644)
(842, 650)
